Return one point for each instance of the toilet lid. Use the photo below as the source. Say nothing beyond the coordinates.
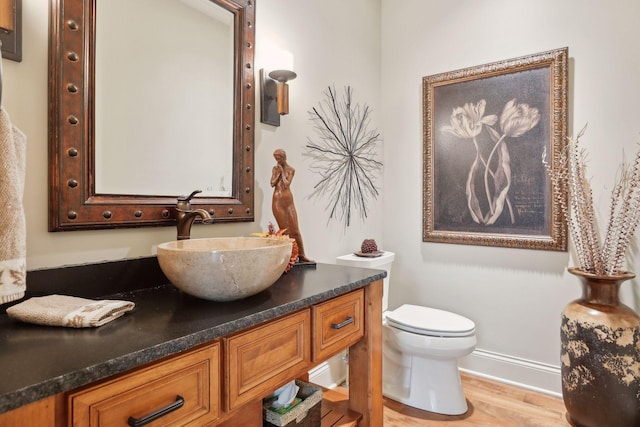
(430, 321)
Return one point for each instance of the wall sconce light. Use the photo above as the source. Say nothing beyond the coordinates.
(275, 95)
(11, 29)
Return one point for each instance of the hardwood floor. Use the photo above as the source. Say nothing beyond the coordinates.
(491, 404)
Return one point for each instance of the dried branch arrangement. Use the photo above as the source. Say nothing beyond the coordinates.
(344, 154)
(570, 178)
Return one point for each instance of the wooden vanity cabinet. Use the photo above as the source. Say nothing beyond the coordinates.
(184, 390)
(259, 360)
(39, 413)
(337, 324)
(222, 383)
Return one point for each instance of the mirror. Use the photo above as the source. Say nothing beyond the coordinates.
(120, 156)
(176, 89)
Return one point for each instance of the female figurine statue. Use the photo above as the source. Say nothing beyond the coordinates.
(282, 203)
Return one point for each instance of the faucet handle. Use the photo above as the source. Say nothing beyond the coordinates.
(184, 202)
(189, 197)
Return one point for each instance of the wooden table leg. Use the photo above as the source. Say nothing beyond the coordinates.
(365, 362)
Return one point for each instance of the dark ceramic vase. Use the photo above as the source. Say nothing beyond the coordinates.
(601, 355)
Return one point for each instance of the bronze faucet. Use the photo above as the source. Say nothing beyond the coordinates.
(185, 215)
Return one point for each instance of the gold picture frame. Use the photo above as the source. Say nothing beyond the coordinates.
(490, 133)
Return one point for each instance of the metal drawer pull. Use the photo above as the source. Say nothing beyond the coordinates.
(343, 324)
(138, 422)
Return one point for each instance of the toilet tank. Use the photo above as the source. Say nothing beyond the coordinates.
(382, 262)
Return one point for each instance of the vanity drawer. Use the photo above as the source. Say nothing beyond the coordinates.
(189, 381)
(337, 323)
(261, 359)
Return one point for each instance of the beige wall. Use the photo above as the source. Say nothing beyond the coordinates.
(514, 296)
(329, 47)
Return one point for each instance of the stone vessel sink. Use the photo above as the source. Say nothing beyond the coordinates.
(225, 268)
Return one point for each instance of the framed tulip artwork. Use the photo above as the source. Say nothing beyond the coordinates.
(491, 135)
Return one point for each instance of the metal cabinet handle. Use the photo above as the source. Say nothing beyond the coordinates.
(343, 324)
(138, 422)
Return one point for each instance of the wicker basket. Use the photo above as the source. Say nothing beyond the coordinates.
(305, 414)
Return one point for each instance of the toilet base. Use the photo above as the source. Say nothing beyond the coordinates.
(432, 385)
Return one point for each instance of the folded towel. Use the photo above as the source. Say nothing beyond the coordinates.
(74, 312)
(13, 229)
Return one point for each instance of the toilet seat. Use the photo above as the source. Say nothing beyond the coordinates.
(430, 321)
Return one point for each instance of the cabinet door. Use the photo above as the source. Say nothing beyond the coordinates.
(259, 360)
(40, 413)
(337, 324)
(183, 390)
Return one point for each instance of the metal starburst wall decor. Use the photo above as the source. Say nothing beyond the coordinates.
(344, 155)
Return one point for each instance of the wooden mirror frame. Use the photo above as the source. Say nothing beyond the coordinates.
(73, 202)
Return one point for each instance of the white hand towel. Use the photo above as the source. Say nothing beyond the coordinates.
(74, 312)
(13, 229)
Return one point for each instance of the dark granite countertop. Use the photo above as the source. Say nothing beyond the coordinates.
(40, 361)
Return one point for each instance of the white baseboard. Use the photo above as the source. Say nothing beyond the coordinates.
(329, 374)
(512, 370)
(535, 376)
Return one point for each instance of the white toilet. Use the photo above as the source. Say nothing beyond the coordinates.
(421, 347)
